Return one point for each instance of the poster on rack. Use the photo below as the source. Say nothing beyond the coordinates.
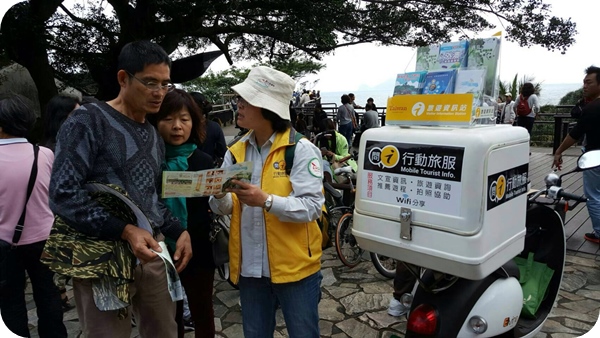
(428, 57)
(419, 176)
(485, 53)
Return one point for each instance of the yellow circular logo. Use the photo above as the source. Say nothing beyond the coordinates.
(500, 187)
(389, 156)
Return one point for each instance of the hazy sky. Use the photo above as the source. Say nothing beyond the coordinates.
(367, 65)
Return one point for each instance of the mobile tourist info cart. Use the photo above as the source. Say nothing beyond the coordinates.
(441, 186)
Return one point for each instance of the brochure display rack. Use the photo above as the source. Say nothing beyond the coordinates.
(454, 84)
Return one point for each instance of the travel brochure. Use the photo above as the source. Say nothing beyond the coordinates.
(203, 182)
(440, 82)
(453, 54)
(470, 81)
(410, 83)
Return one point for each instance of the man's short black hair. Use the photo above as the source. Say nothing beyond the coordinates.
(136, 55)
(593, 70)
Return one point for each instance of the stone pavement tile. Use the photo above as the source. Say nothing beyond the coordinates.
(355, 329)
(577, 325)
(234, 330)
(381, 319)
(338, 292)
(362, 302)
(354, 304)
(325, 328)
(331, 310)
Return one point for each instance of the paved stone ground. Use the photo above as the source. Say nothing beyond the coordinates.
(355, 301)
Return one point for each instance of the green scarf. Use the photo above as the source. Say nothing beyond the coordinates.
(176, 160)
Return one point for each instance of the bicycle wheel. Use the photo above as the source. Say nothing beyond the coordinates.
(333, 216)
(345, 244)
(385, 265)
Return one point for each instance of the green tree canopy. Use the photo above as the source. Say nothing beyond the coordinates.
(212, 85)
(80, 44)
(572, 97)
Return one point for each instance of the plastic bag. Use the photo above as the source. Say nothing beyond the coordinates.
(534, 280)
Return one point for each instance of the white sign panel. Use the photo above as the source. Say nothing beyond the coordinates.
(422, 177)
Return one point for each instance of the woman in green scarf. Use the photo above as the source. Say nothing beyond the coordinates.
(181, 124)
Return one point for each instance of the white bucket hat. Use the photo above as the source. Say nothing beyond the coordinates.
(268, 88)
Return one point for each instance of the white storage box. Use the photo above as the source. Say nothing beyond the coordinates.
(462, 192)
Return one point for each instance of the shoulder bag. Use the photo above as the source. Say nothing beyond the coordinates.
(219, 237)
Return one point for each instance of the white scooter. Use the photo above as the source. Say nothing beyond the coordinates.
(443, 305)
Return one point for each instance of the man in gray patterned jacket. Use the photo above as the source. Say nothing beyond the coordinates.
(113, 143)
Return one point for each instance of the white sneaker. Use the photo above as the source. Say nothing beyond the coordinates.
(396, 308)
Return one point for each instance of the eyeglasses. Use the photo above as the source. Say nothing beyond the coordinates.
(241, 102)
(153, 86)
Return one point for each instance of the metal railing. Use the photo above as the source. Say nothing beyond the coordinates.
(549, 129)
(331, 110)
(222, 113)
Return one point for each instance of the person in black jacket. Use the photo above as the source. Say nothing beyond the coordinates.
(180, 124)
(576, 112)
(214, 144)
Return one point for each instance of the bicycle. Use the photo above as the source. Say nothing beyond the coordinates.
(350, 252)
(340, 211)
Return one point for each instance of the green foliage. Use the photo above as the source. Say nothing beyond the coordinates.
(213, 85)
(571, 97)
(78, 42)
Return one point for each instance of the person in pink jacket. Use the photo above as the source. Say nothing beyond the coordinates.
(16, 160)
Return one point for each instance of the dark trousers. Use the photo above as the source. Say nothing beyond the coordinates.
(45, 294)
(404, 281)
(526, 122)
(198, 284)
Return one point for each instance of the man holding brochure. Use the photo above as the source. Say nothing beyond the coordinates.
(112, 143)
(275, 242)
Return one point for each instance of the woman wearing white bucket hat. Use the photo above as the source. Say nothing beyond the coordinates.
(275, 242)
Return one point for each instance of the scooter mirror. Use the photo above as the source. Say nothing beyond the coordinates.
(552, 179)
(589, 160)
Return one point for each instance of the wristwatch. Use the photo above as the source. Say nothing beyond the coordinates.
(268, 203)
